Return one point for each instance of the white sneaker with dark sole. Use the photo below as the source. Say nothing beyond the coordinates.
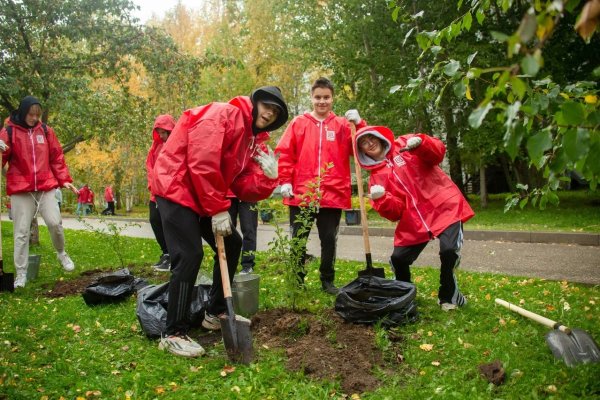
(211, 322)
(181, 345)
(448, 306)
(66, 262)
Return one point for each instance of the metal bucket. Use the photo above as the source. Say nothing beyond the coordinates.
(352, 217)
(244, 292)
(33, 266)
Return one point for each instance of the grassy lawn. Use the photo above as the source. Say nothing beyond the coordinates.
(60, 348)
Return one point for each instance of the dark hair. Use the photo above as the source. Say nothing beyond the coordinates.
(322, 83)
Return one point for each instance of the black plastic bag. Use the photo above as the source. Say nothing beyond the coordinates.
(369, 299)
(111, 288)
(152, 303)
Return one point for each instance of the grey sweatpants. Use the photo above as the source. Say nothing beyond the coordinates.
(23, 207)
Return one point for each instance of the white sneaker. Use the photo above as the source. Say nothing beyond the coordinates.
(20, 281)
(66, 262)
(211, 322)
(181, 345)
(448, 306)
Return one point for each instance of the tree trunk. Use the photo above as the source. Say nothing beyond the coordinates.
(483, 194)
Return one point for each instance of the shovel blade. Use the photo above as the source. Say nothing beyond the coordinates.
(237, 338)
(378, 272)
(575, 348)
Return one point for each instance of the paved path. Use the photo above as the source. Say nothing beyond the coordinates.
(571, 262)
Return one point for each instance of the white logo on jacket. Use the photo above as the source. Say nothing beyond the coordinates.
(331, 136)
(40, 139)
(399, 160)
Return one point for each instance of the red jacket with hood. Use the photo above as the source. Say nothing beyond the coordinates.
(209, 151)
(166, 122)
(36, 160)
(308, 147)
(108, 194)
(418, 194)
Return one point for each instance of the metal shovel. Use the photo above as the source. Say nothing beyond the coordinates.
(573, 346)
(370, 271)
(235, 328)
(7, 280)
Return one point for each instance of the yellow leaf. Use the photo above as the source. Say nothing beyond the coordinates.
(235, 389)
(591, 99)
(355, 396)
(564, 95)
(467, 345)
(429, 333)
(426, 347)
(488, 297)
(435, 363)
(550, 307)
(159, 390)
(468, 93)
(588, 19)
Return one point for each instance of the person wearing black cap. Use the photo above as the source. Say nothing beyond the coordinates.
(36, 170)
(212, 149)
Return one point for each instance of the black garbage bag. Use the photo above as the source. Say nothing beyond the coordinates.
(369, 299)
(152, 303)
(111, 287)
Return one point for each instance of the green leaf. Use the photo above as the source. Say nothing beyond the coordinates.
(471, 58)
(512, 141)
(478, 115)
(407, 36)
(395, 88)
(573, 113)
(529, 65)
(523, 202)
(576, 143)
(460, 89)
(499, 36)
(537, 145)
(518, 86)
(451, 68)
(467, 21)
(480, 16)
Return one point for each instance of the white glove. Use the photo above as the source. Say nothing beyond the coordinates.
(376, 192)
(3, 146)
(352, 116)
(221, 224)
(413, 142)
(286, 191)
(268, 162)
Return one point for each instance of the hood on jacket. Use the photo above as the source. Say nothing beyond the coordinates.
(269, 95)
(381, 132)
(164, 121)
(18, 116)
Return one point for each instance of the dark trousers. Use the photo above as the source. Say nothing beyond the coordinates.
(451, 240)
(184, 232)
(157, 227)
(110, 208)
(248, 215)
(328, 224)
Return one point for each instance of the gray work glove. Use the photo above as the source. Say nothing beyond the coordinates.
(286, 191)
(376, 192)
(413, 142)
(352, 116)
(221, 224)
(268, 162)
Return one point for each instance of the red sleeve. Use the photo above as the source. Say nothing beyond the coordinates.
(287, 153)
(6, 154)
(431, 150)
(392, 204)
(57, 159)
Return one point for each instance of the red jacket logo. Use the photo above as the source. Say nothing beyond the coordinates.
(399, 161)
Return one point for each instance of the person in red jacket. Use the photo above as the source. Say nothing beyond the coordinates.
(36, 169)
(315, 150)
(89, 203)
(408, 186)
(163, 125)
(211, 149)
(109, 198)
(82, 198)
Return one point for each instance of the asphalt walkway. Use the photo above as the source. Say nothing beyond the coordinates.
(553, 256)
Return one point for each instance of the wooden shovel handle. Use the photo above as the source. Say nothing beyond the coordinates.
(361, 196)
(536, 317)
(223, 266)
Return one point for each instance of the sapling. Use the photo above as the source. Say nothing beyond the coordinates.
(111, 231)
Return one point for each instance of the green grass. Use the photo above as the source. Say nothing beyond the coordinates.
(61, 348)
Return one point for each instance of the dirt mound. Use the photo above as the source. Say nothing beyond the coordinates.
(323, 346)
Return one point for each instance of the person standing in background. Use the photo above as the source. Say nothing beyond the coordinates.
(109, 198)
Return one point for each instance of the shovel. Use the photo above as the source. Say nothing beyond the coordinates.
(7, 281)
(370, 271)
(573, 346)
(235, 328)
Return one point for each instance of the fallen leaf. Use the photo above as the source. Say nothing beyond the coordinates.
(550, 307)
(355, 396)
(566, 306)
(502, 321)
(467, 345)
(435, 363)
(551, 389)
(159, 390)
(235, 389)
(488, 296)
(426, 347)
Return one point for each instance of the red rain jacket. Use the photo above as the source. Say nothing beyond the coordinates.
(209, 151)
(307, 148)
(167, 123)
(108, 194)
(418, 194)
(36, 160)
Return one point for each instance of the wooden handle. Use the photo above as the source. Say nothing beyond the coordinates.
(536, 317)
(223, 266)
(361, 196)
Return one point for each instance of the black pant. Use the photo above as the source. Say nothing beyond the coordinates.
(157, 227)
(328, 224)
(110, 208)
(184, 232)
(451, 240)
(248, 215)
